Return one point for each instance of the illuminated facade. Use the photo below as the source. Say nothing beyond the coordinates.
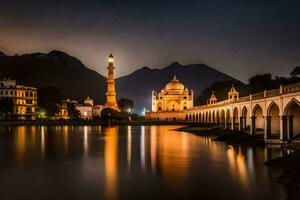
(171, 102)
(111, 99)
(24, 99)
(85, 109)
(62, 111)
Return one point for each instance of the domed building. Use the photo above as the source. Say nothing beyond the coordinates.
(171, 101)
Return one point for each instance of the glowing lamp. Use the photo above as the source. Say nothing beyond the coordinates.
(111, 58)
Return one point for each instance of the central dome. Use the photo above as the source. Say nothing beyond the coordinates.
(174, 85)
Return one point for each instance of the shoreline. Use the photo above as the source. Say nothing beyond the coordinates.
(233, 137)
(90, 123)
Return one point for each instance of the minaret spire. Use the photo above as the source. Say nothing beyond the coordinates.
(111, 99)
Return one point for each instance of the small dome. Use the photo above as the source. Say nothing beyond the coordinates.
(174, 85)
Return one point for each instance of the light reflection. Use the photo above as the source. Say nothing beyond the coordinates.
(129, 141)
(43, 141)
(20, 143)
(142, 150)
(111, 162)
(238, 165)
(85, 140)
(174, 159)
(153, 147)
(66, 138)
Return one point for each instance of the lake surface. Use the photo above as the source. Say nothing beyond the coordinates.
(130, 162)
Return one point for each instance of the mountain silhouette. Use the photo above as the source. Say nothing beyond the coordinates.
(55, 69)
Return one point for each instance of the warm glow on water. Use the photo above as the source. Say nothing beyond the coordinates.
(130, 162)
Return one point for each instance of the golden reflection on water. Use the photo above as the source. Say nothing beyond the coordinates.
(238, 165)
(143, 148)
(153, 148)
(111, 162)
(20, 143)
(43, 141)
(65, 130)
(173, 153)
(160, 150)
(85, 141)
(129, 143)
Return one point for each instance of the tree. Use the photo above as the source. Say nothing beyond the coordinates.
(49, 98)
(260, 82)
(295, 72)
(72, 111)
(108, 113)
(125, 104)
(6, 107)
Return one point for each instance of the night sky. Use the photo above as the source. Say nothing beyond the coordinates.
(241, 38)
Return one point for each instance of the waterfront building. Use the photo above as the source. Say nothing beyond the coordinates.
(62, 111)
(88, 110)
(111, 99)
(88, 101)
(171, 102)
(85, 109)
(24, 99)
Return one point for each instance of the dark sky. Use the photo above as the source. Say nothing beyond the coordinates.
(241, 38)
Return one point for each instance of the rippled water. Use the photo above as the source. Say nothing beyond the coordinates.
(130, 162)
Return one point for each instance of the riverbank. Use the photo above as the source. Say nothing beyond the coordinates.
(290, 164)
(225, 135)
(89, 123)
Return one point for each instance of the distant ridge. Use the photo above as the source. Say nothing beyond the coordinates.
(55, 68)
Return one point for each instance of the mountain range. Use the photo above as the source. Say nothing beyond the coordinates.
(61, 70)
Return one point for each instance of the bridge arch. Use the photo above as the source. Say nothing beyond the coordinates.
(273, 120)
(292, 121)
(244, 118)
(223, 117)
(213, 117)
(257, 119)
(218, 117)
(228, 118)
(235, 117)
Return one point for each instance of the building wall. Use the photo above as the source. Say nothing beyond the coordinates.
(165, 116)
(24, 99)
(86, 111)
(164, 102)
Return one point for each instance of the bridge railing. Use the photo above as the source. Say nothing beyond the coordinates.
(272, 93)
(246, 98)
(291, 88)
(259, 95)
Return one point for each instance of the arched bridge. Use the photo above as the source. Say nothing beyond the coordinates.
(274, 113)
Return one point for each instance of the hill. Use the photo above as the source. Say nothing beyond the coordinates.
(54, 69)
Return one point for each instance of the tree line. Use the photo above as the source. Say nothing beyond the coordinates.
(257, 83)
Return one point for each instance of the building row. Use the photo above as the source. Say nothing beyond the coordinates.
(21, 103)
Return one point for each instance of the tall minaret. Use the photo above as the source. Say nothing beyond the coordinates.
(111, 100)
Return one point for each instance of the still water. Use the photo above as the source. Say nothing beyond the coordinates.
(130, 162)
